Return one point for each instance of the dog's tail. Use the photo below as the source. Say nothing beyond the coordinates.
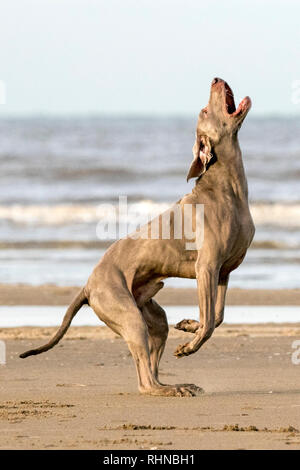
(77, 303)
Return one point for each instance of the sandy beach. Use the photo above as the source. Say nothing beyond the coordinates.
(83, 393)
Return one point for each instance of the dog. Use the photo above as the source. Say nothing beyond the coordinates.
(121, 287)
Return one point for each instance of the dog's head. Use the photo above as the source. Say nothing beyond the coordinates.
(219, 119)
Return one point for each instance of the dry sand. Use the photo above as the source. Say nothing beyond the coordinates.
(49, 294)
(83, 393)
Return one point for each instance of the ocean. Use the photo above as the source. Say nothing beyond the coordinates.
(58, 176)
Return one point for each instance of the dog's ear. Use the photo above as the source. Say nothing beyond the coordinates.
(202, 155)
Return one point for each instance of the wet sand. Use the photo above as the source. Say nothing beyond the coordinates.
(83, 393)
(48, 294)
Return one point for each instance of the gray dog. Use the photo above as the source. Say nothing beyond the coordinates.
(122, 286)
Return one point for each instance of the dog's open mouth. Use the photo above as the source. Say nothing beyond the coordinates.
(230, 104)
(229, 99)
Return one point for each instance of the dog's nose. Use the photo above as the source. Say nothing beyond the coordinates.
(216, 80)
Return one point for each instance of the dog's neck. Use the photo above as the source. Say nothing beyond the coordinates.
(226, 172)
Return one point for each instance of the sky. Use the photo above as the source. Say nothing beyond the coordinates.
(81, 57)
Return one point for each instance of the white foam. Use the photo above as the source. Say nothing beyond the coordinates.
(62, 214)
(280, 215)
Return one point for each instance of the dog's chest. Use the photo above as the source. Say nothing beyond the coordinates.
(239, 241)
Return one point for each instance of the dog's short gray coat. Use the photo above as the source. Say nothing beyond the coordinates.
(121, 288)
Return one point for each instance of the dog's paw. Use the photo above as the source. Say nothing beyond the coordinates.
(181, 390)
(185, 391)
(196, 390)
(190, 326)
(183, 350)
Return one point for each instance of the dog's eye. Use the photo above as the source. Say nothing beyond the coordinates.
(204, 111)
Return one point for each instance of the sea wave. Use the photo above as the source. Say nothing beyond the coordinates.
(277, 214)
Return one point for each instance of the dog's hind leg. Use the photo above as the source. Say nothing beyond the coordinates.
(157, 323)
(158, 328)
(117, 308)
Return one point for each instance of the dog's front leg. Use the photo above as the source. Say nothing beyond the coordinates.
(220, 302)
(207, 281)
(192, 326)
